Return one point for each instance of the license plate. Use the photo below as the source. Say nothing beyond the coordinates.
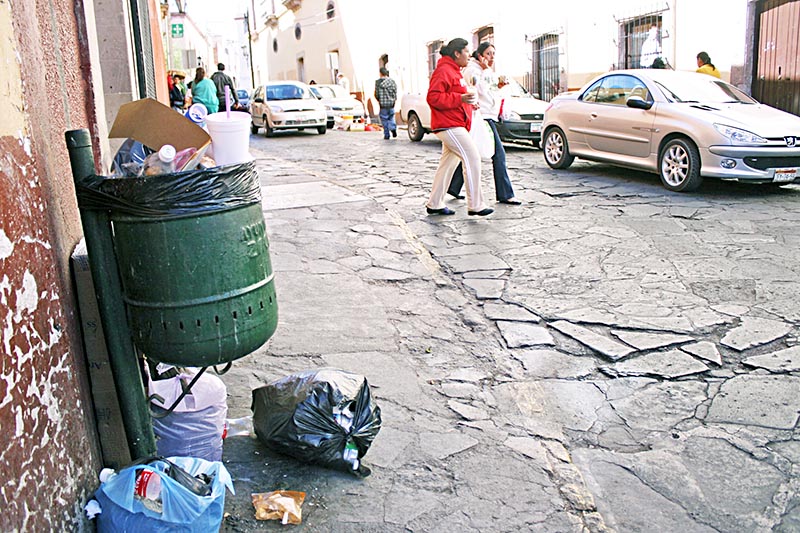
(301, 117)
(783, 175)
(536, 126)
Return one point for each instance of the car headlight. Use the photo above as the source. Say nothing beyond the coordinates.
(739, 136)
(511, 115)
(276, 109)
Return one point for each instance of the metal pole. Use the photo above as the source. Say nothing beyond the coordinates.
(250, 48)
(122, 358)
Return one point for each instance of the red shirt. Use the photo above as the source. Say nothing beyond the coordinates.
(444, 96)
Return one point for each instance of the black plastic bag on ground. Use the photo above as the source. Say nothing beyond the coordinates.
(324, 416)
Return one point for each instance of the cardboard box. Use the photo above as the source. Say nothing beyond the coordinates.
(108, 415)
(153, 124)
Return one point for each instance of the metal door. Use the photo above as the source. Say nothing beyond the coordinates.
(545, 69)
(777, 72)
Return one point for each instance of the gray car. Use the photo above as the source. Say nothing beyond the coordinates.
(684, 126)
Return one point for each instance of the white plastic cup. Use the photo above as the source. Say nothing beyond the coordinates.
(148, 485)
(230, 137)
(473, 94)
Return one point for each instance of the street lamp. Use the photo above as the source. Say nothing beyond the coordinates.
(250, 48)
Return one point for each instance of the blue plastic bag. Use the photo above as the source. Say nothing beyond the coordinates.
(182, 510)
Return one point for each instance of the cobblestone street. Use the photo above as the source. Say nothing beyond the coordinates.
(609, 356)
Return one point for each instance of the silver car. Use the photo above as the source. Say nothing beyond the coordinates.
(684, 126)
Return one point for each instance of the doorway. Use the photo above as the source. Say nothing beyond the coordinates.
(777, 65)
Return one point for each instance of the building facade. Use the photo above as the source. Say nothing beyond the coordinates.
(548, 50)
(64, 66)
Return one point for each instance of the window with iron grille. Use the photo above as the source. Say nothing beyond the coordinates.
(546, 74)
(640, 41)
(143, 47)
(433, 55)
(485, 34)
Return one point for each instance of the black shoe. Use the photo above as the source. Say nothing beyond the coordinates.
(442, 211)
(482, 213)
(511, 201)
(456, 196)
(394, 133)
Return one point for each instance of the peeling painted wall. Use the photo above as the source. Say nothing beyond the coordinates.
(48, 456)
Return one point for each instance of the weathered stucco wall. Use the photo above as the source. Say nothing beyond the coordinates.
(48, 456)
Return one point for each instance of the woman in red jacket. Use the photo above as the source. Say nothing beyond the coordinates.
(451, 113)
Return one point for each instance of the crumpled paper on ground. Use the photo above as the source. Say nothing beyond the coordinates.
(283, 505)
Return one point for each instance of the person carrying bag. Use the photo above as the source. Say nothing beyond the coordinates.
(479, 72)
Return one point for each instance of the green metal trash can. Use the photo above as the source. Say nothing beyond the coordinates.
(194, 264)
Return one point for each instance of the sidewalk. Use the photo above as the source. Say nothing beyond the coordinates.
(463, 446)
(603, 357)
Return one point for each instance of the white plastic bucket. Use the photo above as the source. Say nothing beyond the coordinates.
(230, 137)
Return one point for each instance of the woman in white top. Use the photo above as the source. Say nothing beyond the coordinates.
(479, 73)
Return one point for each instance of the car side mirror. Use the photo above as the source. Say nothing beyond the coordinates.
(637, 102)
(259, 100)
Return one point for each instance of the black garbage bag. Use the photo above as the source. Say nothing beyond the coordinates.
(173, 195)
(323, 416)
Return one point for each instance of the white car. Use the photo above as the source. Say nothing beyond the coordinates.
(337, 102)
(521, 121)
(286, 105)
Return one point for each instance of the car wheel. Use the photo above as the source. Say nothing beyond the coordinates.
(556, 150)
(253, 128)
(415, 129)
(322, 130)
(267, 130)
(679, 165)
(330, 125)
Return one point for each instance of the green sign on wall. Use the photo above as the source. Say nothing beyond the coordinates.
(177, 30)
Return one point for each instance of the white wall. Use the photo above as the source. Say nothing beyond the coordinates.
(588, 29)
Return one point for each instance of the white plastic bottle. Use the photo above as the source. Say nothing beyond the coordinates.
(161, 162)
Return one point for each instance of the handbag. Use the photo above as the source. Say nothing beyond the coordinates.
(482, 135)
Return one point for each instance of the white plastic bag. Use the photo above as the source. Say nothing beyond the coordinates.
(482, 134)
(196, 427)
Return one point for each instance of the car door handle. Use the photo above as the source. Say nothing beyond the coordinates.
(593, 115)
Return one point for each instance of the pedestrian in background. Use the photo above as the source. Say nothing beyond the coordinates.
(651, 48)
(204, 91)
(386, 94)
(342, 80)
(705, 66)
(176, 97)
(480, 68)
(221, 80)
(451, 114)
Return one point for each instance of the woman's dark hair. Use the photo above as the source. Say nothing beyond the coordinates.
(199, 74)
(450, 49)
(481, 49)
(705, 58)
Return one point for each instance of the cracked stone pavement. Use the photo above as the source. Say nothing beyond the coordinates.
(607, 357)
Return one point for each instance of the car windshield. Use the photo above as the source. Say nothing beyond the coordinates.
(513, 88)
(324, 92)
(287, 92)
(711, 90)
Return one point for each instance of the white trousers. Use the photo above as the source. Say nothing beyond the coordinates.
(457, 146)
